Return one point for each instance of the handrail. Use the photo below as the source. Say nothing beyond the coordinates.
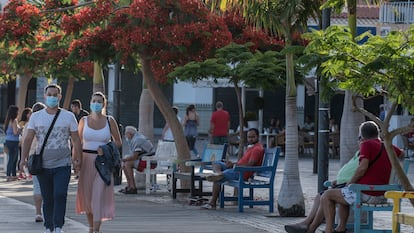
(397, 12)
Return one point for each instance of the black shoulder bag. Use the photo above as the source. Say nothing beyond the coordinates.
(35, 161)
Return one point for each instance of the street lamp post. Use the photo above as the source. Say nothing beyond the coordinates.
(323, 125)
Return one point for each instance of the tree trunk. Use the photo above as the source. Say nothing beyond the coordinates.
(166, 110)
(24, 80)
(69, 91)
(241, 121)
(98, 78)
(350, 122)
(291, 202)
(146, 114)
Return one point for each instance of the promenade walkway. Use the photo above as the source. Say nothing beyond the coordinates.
(159, 213)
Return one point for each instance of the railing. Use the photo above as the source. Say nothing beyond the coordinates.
(397, 12)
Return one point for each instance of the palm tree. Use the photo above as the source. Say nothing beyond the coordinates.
(350, 119)
(284, 18)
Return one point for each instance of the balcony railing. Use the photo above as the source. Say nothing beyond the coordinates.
(397, 12)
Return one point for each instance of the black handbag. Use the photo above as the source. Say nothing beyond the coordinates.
(35, 161)
(117, 172)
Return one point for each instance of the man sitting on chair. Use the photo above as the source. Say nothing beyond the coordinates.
(374, 168)
(138, 145)
(224, 170)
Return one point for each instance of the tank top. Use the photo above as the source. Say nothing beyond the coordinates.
(10, 136)
(190, 128)
(93, 138)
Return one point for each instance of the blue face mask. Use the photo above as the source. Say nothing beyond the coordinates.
(52, 101)
(96, 107)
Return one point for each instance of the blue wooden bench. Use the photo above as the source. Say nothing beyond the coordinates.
(263, 179)
(358, 208)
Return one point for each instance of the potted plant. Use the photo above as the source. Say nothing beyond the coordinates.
(251, 118)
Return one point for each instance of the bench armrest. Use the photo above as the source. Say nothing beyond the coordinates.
(366, 187)
(252, 168)
(399, 194)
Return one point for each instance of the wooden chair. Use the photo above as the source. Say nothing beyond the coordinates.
(408, 147)
(164, 157)
(334, 144)
(359, 208)
(210, 154)
(263, 179)
(305, 143)
(281, 141)
(399, 217)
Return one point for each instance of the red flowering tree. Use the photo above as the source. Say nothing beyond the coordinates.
(30, 44)
(159, 35)
(241, 61)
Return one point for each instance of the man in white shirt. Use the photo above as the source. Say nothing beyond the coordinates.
(57, 160)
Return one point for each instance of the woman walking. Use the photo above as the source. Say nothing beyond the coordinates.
(24, 118)
(190, 123)
(95, 198)
(12, 141)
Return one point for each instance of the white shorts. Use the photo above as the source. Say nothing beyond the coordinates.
(350, 197)
(36, 186)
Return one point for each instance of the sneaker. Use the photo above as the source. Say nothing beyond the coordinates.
(48, 231)
(58, 230)
(208, 207)
(21, 177)
(38, 218)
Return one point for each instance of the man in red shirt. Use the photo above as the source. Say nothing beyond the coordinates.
(219, 124)
(374, 168)
(252, 157)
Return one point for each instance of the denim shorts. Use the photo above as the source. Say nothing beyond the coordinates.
(350, 197)
(228, 173)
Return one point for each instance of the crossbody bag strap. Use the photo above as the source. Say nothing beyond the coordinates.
(49, 131)
(379, 154)
(109, 125)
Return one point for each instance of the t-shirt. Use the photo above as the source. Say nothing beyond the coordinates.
(57, 149)
(81, 114)
(254, 152)
(220, 119)
(139, 143)
(378, 172)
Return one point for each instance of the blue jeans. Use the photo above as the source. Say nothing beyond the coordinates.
(54, 188)
(13, 147)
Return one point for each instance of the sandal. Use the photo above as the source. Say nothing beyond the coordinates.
(123, 190)
(131, 191)
(208, 207)
(38, 218)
